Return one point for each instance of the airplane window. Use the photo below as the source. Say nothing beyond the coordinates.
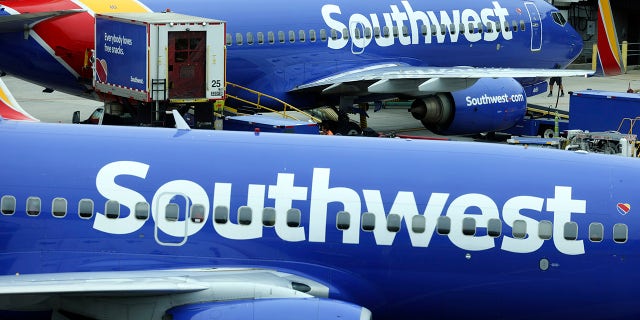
(444, 225)
(461, 28)
(523, 26)
(260, 38)
(356, 33)
(343, 220)
(221, 214)
(620, 233)
(293, 218)
(418, 224)
(596, 232)
(571, 231)
(312, 35)
(245, 215)
(249, 38)
(469, 226)
(197, 213)
(323, 35)
(229, 39)
(172, 212)
(376, 32)
(8, 205)
(334, 34)
(405, 31)
(494, 228)
(385, 32)
(85, 208)
(59, 207)
(506, 26)
(33, 206)
(489, 27)
(558, 18)
(368, 221)
(269, 217)
(452, 28)
(519, 230)
(302, 36)
(281, 36)
(472, 30)
(141, 210)
(514, 26)
(292, 36)
(396, 32)
(563, 21)
(545, 229)
(434, 30)
(112, 209)
(424, 29)
(239, 39)
(393, 222)
(345, 34)
(367, 33)
(480, 27)
(271, 37)
(443, 29)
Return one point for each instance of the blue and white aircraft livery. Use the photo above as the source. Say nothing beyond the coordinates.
(437, 54)
(179, 224)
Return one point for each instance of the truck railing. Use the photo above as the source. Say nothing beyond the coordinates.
(632, 123)
(260, 97)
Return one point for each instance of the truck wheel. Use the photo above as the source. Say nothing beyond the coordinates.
(548, 133)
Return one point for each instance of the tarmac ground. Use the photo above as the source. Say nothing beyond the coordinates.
(59, 107)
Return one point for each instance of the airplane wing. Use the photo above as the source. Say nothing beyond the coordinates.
(168, 287)
(397, 78)
(22, 21)
(10, 108)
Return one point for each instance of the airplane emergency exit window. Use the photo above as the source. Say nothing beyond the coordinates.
(33, 206)
(418, 224)
(519, 230)
(260, 36)
(245, 215)
(112, 209)
(221, 214)
(171, 212)
(596, 232)
(368, 221)
(620, 233)
(269, 217)
(393, 222)
(571, 231)
(8, 205)
(85, 208)
(197, 213)
(293, 218)
(343, 220)
(59, 207)
(229, 39)
(469, 226)
(545, 229)
(141, 210)
(444, 225)
(494, 228)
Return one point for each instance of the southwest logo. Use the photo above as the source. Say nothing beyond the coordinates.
(624, 208)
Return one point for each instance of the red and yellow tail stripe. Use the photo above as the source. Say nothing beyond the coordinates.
(112, 6)
(609, 61)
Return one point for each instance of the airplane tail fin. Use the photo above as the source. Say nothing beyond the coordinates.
(10, 108)
(608, 58)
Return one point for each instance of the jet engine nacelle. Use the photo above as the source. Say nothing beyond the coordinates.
(489, 105)
(267, 309)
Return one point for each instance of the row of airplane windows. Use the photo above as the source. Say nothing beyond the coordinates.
(376, 32)
(294, 216)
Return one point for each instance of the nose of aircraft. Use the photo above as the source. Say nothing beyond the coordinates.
(575, 43)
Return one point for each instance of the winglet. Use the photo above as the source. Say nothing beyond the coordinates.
(180, 123)
(10, 108)
(608, 60)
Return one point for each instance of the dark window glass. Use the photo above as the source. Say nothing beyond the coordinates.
(620, 233)
(8, 205)
(112, 209)
(343, 220)
(293, 218)
(172, 212)
(269, 217)
(545, 230)
(494, 228)
(221, 214)
(245, 215)
(85, 208)
(571, 231)
(59, 207)
(141, 211)
(393, 222)
(469, 226)
(596, 232)
(197, 213)
(418, 224)
(444, 225)
(368, 221)
(519, 229)
(33, 206)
